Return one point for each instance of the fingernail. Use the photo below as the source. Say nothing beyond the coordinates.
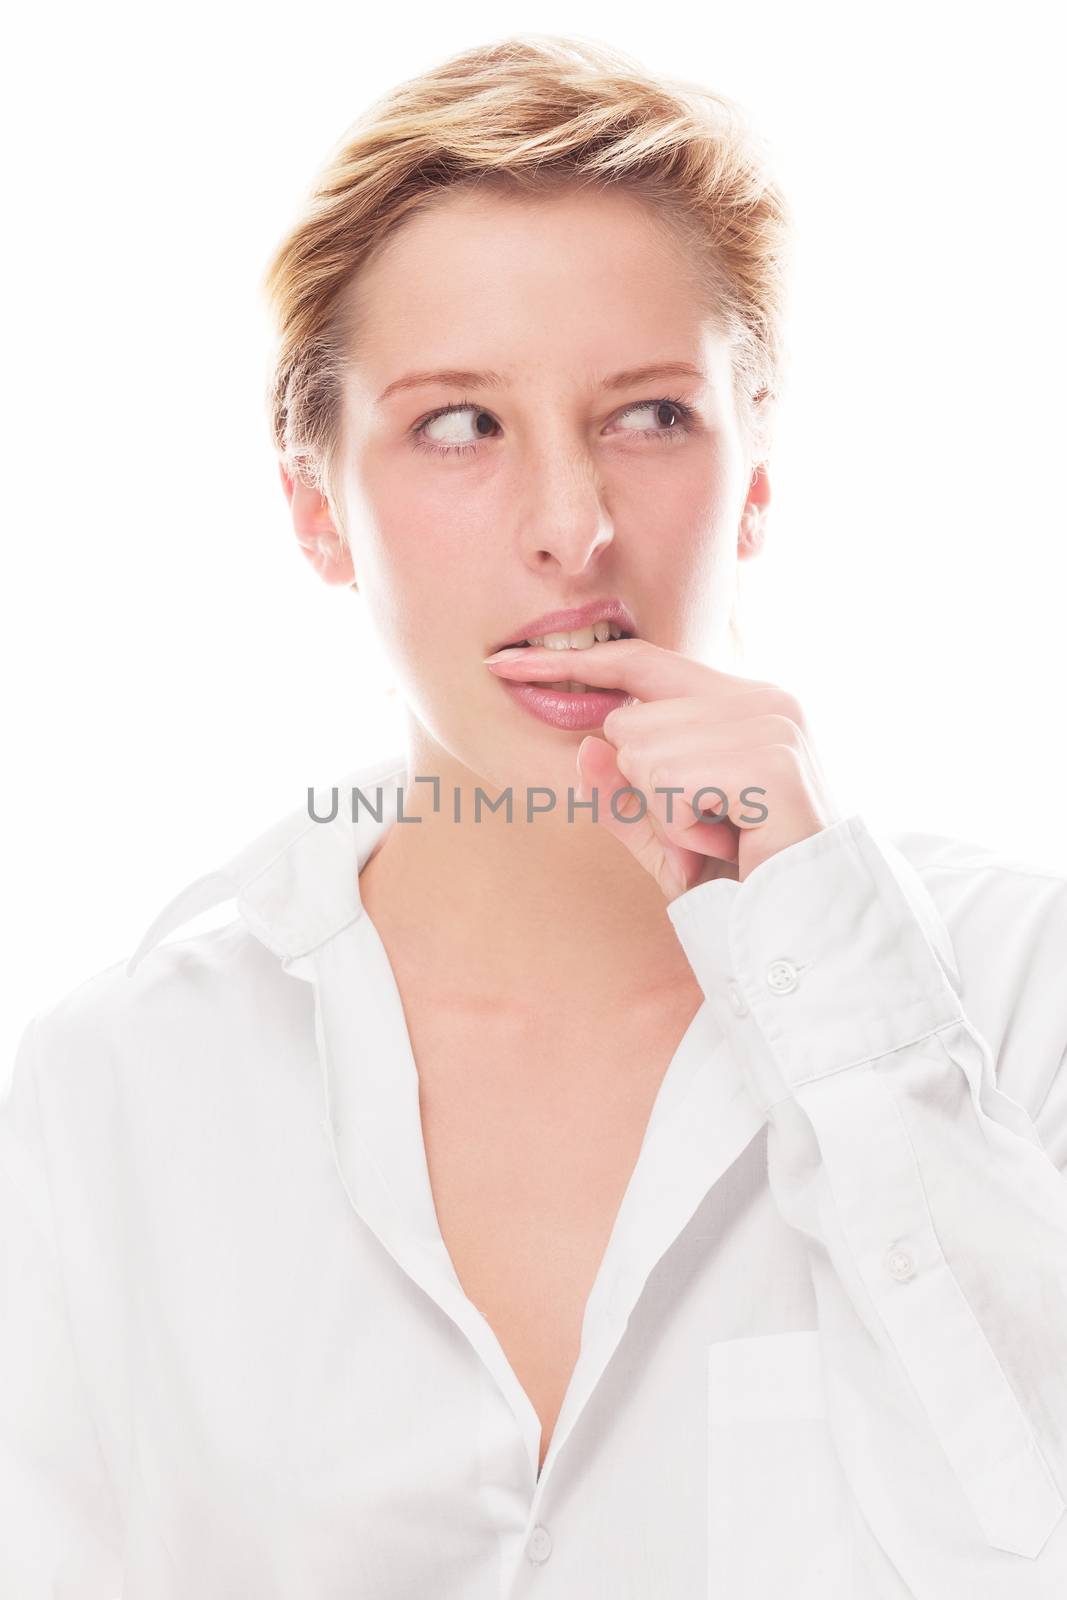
(505, 655)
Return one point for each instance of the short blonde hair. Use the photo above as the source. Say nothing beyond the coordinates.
(526, 115)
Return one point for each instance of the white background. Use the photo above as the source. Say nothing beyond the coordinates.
(176, 673)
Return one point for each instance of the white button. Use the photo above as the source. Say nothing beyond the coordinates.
(539, 1546)
(900, 1264)
(737, 1000)
(782, 977)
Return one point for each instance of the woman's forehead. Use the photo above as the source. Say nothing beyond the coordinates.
(572, 286)
(476, 237)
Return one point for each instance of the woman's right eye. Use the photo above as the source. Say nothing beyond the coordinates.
(453, 442)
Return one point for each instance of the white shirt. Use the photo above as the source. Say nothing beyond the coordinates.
(824, 1354)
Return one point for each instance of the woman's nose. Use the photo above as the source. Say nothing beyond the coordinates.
(564, 515)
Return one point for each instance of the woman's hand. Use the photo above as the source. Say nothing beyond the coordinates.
(691, 728)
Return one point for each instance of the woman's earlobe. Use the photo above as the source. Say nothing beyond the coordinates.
(752, 529)
(751, 532)
(330, 557)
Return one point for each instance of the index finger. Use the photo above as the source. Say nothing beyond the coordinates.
(647, 671)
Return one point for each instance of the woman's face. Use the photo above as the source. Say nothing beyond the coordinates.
(556, 483)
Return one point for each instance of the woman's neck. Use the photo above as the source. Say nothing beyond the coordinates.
(495, 909)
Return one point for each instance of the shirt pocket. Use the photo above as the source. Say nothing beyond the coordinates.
(779, 1514)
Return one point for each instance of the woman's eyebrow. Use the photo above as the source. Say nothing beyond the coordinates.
(462, 379)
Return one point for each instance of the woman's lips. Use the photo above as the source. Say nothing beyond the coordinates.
(561, 708)
(542, 697)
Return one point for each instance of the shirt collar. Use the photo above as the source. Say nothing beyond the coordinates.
(296, 884)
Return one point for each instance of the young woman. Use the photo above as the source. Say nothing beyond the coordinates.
(587, 1163)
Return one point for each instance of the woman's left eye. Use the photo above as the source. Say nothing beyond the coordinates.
(666, 426)
(669, 429)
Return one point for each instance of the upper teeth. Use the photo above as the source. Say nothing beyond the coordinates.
(579, 638)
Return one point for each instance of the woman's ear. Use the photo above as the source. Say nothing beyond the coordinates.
(316, 533)
(752, 530)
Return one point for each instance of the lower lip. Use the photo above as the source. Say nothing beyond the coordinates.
(561, 709)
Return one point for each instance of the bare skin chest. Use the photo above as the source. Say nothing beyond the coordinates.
(531, 1135)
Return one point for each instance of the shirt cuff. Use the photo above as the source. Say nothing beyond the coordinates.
(832, 947)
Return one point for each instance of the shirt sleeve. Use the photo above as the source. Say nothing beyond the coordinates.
(57, 1508)
(927, 1195)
